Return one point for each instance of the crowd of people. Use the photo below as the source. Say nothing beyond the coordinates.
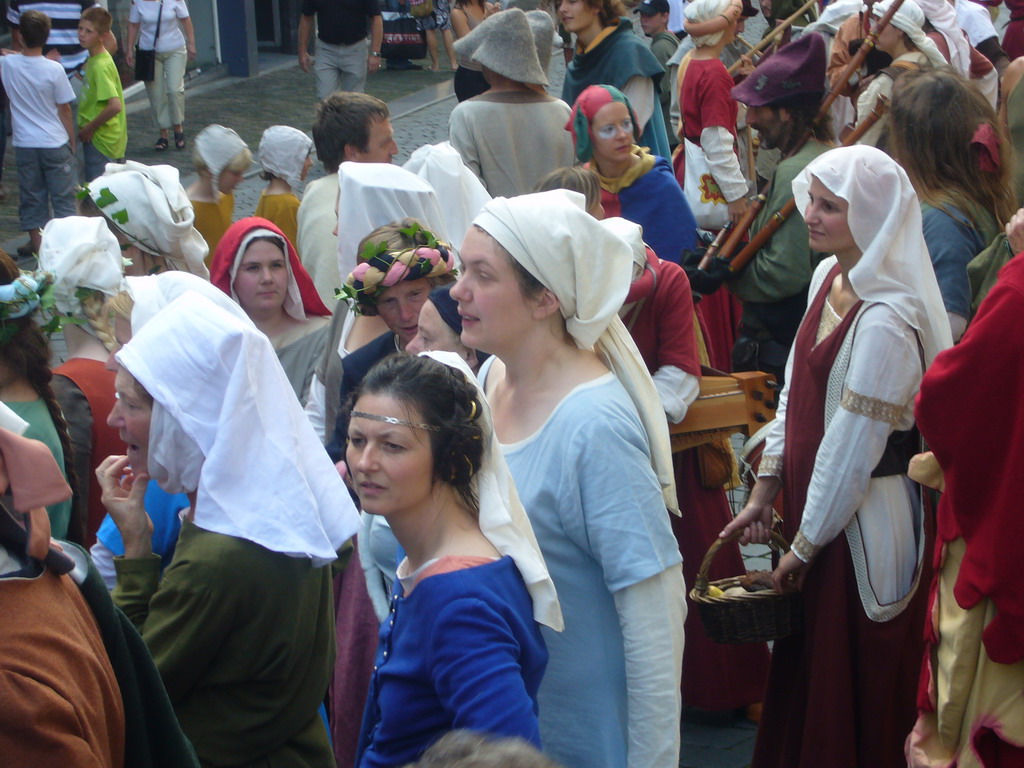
(382, 475)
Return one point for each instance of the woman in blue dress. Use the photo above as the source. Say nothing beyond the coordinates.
(461, 648)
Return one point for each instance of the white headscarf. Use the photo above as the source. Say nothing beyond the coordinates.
(909, 18)
(942, 16)
(292, 297)
(589, 269)
(376, 194)
(463, 194)
(502, 517)
(218, 146)
(885, 220)
(152, 293)
(833, 16)
(149, 206)
(259, 471)
(283, 152)
(80, 252)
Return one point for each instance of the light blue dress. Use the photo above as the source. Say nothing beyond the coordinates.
(586, 482)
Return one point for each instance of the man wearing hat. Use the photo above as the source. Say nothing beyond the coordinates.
(654, 15)
(782, 96)
(512, 134)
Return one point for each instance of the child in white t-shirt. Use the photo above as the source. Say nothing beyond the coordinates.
(43, 132)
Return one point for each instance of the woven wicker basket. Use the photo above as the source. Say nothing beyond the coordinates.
(749, 618)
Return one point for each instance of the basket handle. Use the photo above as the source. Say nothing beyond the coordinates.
(701, 586)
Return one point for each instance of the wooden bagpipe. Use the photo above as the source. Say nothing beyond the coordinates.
(727, 403)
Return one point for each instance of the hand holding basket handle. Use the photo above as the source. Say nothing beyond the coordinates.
(754, 523)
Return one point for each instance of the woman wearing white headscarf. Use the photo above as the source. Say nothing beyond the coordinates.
(461, 647)
(286, 157)
(842, 692)
(84, 258)
(140, 301)
(903, 39)
(240, 625)
(585, 437)
(147, 209)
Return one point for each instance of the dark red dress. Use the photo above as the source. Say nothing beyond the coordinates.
(715, 677)
(840, 693)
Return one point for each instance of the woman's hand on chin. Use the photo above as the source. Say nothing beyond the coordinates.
(123, 493)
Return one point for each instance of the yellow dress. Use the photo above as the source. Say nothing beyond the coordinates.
(212, 220)
(282, 210)
(971, 692)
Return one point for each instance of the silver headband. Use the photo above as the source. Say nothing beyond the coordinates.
(393, 420)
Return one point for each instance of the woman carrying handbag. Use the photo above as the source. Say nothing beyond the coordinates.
(164, 34)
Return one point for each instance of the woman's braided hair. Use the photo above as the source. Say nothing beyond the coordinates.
(27, 355)
(93, 307)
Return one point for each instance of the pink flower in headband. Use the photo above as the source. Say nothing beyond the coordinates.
(359, 273)
(395, 274)
(431, 254)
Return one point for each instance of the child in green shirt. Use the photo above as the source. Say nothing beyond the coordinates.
(102, 126)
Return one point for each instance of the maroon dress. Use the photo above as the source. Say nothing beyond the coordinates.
(715, 677)
(842, 692)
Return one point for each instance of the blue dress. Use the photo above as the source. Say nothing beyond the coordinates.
(586, 482)
(462, 651)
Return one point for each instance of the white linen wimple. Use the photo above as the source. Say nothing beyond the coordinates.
(283, 152)
(372, 195)
(464, 196)
(148, 204)
(80, 252)
(885, 220)
(151, 293)
(264, 476)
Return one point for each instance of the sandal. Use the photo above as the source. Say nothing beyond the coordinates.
(179, 140)
(161, 144)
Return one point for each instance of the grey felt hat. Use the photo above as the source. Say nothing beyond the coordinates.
(504, 43)
(544, 36)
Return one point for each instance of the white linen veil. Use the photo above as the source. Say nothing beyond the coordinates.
(226, 424)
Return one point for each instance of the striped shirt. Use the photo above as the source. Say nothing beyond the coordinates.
(64, 17)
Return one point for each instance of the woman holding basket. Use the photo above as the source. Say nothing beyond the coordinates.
(165, 28)
(842, 692)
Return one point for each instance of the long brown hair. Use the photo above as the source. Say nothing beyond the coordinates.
(933, 119)
(27, 355)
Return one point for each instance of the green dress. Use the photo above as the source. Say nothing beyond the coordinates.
(41, 428)
(244, 640)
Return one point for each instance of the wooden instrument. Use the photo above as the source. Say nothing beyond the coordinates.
(749, 251)
(741, 402)
(776, 33)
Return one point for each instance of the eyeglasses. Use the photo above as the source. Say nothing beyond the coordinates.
(611, 130)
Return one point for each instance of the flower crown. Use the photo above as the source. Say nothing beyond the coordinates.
(381, 267)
